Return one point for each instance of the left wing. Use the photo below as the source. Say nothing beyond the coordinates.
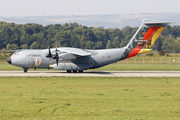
(66, 54)
(74, 51)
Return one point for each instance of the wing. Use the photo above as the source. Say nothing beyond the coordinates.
(67, 53)
(74, 51)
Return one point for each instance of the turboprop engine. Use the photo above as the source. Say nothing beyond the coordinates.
(66, 56)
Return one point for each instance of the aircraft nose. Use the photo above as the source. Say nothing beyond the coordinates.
(9, 60)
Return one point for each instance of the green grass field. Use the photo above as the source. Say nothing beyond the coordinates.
(84, 98)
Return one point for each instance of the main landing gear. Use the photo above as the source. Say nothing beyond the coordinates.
(74, 71)
(68, 71)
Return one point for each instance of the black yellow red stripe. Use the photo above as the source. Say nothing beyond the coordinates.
(149, 38)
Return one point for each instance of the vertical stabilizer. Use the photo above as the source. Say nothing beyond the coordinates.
(145, 36)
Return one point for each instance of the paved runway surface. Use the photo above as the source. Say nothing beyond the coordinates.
(95, 73)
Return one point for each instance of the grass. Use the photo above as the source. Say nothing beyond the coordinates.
(7, 67)
(84, 98)
(140, 67)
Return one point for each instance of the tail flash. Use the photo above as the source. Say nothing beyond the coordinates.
(145, 36)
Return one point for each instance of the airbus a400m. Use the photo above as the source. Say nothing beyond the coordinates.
(78, 60)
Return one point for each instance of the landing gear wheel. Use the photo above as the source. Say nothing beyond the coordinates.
(25, 70)
(68, 71)
(80, 71)
(74, 71)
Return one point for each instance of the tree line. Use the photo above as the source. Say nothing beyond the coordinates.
(35, 36)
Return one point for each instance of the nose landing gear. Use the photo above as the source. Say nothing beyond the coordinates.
(25, 70)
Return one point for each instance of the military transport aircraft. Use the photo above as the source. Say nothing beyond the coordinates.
(77, 60)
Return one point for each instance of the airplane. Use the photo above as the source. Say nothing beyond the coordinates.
(77, 60)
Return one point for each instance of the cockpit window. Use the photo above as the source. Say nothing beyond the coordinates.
(16, 53)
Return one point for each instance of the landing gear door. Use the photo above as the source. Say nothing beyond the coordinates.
(91, 62)
(28, 63)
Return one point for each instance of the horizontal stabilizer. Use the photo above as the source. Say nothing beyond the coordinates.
(152, 22)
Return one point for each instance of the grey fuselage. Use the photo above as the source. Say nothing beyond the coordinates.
(68, 58)
(98, 58)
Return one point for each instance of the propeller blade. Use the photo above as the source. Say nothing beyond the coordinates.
(57, 61)
(57, 57)
(49, 55)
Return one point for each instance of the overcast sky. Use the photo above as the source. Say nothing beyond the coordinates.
(85, 7)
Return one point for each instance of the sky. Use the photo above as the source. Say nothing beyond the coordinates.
(22, 8)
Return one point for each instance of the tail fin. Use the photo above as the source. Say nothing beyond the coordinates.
(145, 36)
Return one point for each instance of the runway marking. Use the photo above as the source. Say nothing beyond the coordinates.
(94, 73)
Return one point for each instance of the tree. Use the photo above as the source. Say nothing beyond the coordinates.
(126, 41)
(167, 30)
(12, 47)
(24, 46)
(78, 30)
(99, 44)
(168, 45)
(177, 42)
(116, 42)
(75, 35)
(175, 30)
(8, 47)
(83, 41)
(56, 44)
(75, 41)
(8, 32)
(109, 45)
(28, 29)
(63, 38)
(89, 45)
(34, 45)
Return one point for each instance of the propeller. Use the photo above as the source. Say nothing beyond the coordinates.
(56, 57)
(49, 55)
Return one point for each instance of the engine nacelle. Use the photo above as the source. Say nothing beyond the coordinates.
(66, 56)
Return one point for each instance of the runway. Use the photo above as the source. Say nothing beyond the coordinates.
(94, 73)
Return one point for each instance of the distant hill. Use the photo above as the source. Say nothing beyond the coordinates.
(106, 21)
